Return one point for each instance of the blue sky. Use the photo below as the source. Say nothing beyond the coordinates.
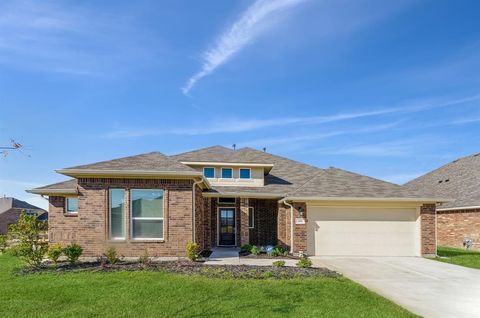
(390, 89)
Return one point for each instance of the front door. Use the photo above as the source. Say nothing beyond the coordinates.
(226, 226)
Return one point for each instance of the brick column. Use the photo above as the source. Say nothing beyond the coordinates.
(427, 221)
(244, 231)
(299, 230)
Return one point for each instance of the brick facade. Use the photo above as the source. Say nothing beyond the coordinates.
(264, 231)
(90, 227)
(454, 226)
(299, 230)
(243, 225)
(428, 235)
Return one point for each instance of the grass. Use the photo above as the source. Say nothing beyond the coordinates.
(458, 256)
(158, 294)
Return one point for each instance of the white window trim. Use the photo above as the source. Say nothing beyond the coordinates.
(249, 174)
(252, 211)
(214, 172)
(146, 218)
(66, 205)
(221, 173)
(110, 237)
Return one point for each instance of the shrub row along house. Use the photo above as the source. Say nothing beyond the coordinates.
(459, 219)
(222, 197)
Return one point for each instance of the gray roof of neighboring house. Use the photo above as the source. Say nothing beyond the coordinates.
(154, 161)
(7, 203)
(287, 177)
(64, 185)
(458, 180)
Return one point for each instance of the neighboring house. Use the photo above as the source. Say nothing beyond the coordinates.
(10, 209)
(222, 197)
(459, 219)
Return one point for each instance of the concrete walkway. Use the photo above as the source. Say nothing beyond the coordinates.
(229, 256)
(425, 287)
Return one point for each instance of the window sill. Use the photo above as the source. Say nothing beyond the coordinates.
(147, 241)
(70, 214)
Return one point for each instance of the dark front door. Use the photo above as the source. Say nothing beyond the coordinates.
(226, 226)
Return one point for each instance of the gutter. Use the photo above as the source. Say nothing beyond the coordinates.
(52, 191)
(318, 198)
(260, 195)
(119, 173)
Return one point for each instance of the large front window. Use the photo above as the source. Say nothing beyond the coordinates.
(147, 214)
(117, 214)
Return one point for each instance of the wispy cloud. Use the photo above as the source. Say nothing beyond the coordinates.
(57, 37)
(237, 125)
(470, 120)
(258, 18)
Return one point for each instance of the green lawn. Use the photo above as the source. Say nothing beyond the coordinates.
(156, 294)
(458, 256)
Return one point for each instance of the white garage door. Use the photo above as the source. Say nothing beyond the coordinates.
(363, 231)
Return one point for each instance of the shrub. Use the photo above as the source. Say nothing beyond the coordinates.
(254, 250)
(144, 259)
(279, 251)
(245, 248)
(29, 231)
(111, 255)
(279, 263)
(267, 274)
(3, 243)
(192, 251)
(73, 252)
(54, 252)
(304, 263)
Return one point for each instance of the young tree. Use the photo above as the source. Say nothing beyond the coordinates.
(29, 231)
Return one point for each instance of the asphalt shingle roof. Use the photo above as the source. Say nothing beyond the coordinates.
(64, 185)
(287, 177)
(458, 180)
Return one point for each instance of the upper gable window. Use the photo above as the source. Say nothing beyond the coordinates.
(245, 173)
(227, 173)
(209, 172)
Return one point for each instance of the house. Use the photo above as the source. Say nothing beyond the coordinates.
(459, 219)
(223, 197)
(10, 209)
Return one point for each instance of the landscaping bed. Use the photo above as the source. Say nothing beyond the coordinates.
(187, 268)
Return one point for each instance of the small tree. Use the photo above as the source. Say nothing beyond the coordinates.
(29, 232)
(192, 251)
(73, 252)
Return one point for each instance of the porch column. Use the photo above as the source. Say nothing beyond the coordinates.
(244, 231)
(428, 228)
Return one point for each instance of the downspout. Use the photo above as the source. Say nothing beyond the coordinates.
(291, 225)
(195, 183)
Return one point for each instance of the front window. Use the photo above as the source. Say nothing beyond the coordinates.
(147, 214)
(71, 205)
(244, 173)
(209, 172)
(251, 218)
(227, 173)
(117, 214)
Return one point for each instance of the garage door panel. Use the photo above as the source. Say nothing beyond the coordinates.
(362, 231)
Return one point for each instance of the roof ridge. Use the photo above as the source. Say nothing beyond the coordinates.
(196, 150)
(308, 181)
(120, 158)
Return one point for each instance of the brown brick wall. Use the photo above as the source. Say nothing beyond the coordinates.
(454, 226)
(264, 231)
(299, 230)
(427, 219)
(242, 227)
(90, 227)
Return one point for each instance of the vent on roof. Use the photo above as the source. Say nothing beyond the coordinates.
(447, 180)
(477, 154)
(440, 181)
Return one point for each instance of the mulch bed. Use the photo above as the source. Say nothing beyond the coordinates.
(187, 268)
(266, 256)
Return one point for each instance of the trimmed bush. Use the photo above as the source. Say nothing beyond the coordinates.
(73, 252)
(254, 250)
(192, 251)
(54, 252)
(304, 263)
(245, 248)
(279, 263)
(3, 243)
(111, 255)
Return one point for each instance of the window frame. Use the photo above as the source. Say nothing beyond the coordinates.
(148, 218)
(66, 205)
(214, 172)
(225, 168)
(251, 211)
(227, 204)
(110, 237)
(249, 174)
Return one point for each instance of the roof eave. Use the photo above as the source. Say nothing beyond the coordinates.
(243, 195)
(76, 173)
(366, 199)
(52, 191)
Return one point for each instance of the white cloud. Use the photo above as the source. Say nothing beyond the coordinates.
(237, 125)
(258, 18)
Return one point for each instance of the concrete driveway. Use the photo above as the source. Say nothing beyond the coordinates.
(425, 287)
